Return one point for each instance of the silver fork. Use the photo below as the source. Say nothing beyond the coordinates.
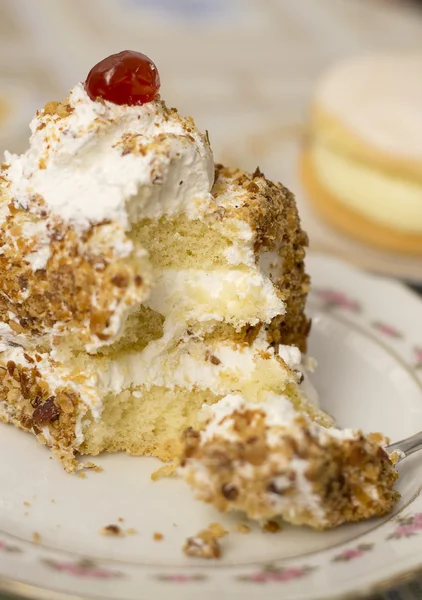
(406, 447)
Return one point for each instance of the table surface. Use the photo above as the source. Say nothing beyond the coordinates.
(244, 68)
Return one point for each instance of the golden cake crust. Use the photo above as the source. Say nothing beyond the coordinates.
(73, 291)
(34, 407)
(271, 211)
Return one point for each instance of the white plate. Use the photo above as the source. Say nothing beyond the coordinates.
(365, 337)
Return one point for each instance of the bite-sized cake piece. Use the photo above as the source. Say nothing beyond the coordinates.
(140, 281)
(271, 460)
(362, 163)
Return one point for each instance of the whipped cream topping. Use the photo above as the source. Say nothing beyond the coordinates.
(90, 162)
(278, 410)
(279, 413)
(8, 337)
(291, 355)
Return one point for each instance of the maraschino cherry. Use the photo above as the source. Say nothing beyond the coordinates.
(124, 78)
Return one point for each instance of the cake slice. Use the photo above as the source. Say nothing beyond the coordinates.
(271, 460)
(144, 287)
(141, 281)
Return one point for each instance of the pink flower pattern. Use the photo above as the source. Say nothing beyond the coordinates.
(407, 526)
(387, 330)
(181, 578)
(8, 548)
(352, 553)
(273, 574)
(82, 568)
(418, 352)
(337, 299)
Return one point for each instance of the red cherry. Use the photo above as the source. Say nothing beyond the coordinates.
(124, 78)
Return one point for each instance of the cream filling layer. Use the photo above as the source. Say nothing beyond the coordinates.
(378, 196)
(253, 371)
(117, 163)
(237, 296)
(219, 367)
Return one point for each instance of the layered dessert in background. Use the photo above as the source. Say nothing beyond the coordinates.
(143, 285)
(362, 162)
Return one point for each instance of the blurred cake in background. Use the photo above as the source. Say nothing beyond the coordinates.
(362, 163)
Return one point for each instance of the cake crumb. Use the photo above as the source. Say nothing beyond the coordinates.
(36, 538)
(113, 530)
(202, 548)
(121, 520)
(396, 456)
(93, 467)
(27, 504)
(272, 527)
(165, 471)
(131, 531)
(205, 544)
(158, 536)
(241, 528)
(81, 475)
(217, 530)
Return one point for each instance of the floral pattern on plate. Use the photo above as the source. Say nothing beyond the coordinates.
(274, 574)
(83, 568)
(352, 553)
(407, 526)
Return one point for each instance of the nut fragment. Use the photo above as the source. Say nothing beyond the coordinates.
(46, 413)
(229, 491)
(26, 422)
(120, 280)
(11, 366)
(113, 530)
(65, 401)
(272, 527)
